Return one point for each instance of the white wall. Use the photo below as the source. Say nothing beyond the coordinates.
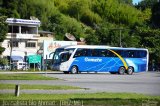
(20, 50)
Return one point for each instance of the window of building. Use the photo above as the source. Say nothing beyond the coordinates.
(30, 44)
(24, 30)
(13, 44)
(13, 29)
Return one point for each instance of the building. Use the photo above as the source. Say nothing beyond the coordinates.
(44, 35)
(22, 39)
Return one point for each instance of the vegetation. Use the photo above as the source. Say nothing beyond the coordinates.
(94, 99)
(3, 61)
(38, 87)
(98, 21)
(104, 95)
(3, 31)
(25, 77)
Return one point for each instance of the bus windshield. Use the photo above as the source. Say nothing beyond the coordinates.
(58, 57)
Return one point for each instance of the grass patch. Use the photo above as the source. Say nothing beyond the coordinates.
(38, 87)
(30, 70)
(95, 99)
(25, 77)
(78, 96)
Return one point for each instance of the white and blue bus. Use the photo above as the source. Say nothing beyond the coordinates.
(92, 58)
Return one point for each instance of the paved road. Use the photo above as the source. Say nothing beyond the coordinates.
(145, 83)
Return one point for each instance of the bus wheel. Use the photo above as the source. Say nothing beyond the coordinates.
(130, 70)
(121, 70)
(74, 70)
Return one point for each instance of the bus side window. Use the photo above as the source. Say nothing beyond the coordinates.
(78, 52)
(85, 52)
(142, 54)
(130, 53)
(102, 52)
(138, 54)
(110, 54)
(119, 52)
(105, 53)
(94, 52)
(81, 52)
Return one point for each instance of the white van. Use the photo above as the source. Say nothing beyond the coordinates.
(21, 65)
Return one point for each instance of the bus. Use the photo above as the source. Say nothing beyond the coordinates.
(92, 58)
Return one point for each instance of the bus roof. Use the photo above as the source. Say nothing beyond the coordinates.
(100, 47)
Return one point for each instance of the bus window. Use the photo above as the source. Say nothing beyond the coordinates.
(65, 57)
(129, 53)
(135, 54)
(85, 52)
(141, 54)
(119, 52)
(102, 52)
(106, 53)
(81, 52)
(110, 54)
(70, 50)
(56, 57)
(94, 52)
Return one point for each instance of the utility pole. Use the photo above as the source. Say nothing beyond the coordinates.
(11, 44)
(120, 38)
(120, 35)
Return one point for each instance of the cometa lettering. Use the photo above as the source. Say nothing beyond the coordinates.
(93, 60)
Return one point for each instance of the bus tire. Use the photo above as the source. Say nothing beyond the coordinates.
(121, 70)
(130, 70)
(74, 70)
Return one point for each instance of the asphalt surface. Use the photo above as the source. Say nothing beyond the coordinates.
(144, 83)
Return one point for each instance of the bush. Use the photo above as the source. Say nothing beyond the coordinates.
(3, 61)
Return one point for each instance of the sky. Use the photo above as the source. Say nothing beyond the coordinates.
(136, 1)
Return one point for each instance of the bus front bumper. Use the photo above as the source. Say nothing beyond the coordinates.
(58, 67)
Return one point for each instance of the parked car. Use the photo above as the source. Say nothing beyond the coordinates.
(20, 65)
(1, 67)
(4, 67)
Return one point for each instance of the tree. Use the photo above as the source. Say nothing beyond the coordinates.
(145, 4)
(116, 35)
(22, 8)
(126, 1)
(119, 13)
(150, 38)
(10, 8)
(91, 38)
(156, 15)
(3, 61)
(3, 31)
(61, 24)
